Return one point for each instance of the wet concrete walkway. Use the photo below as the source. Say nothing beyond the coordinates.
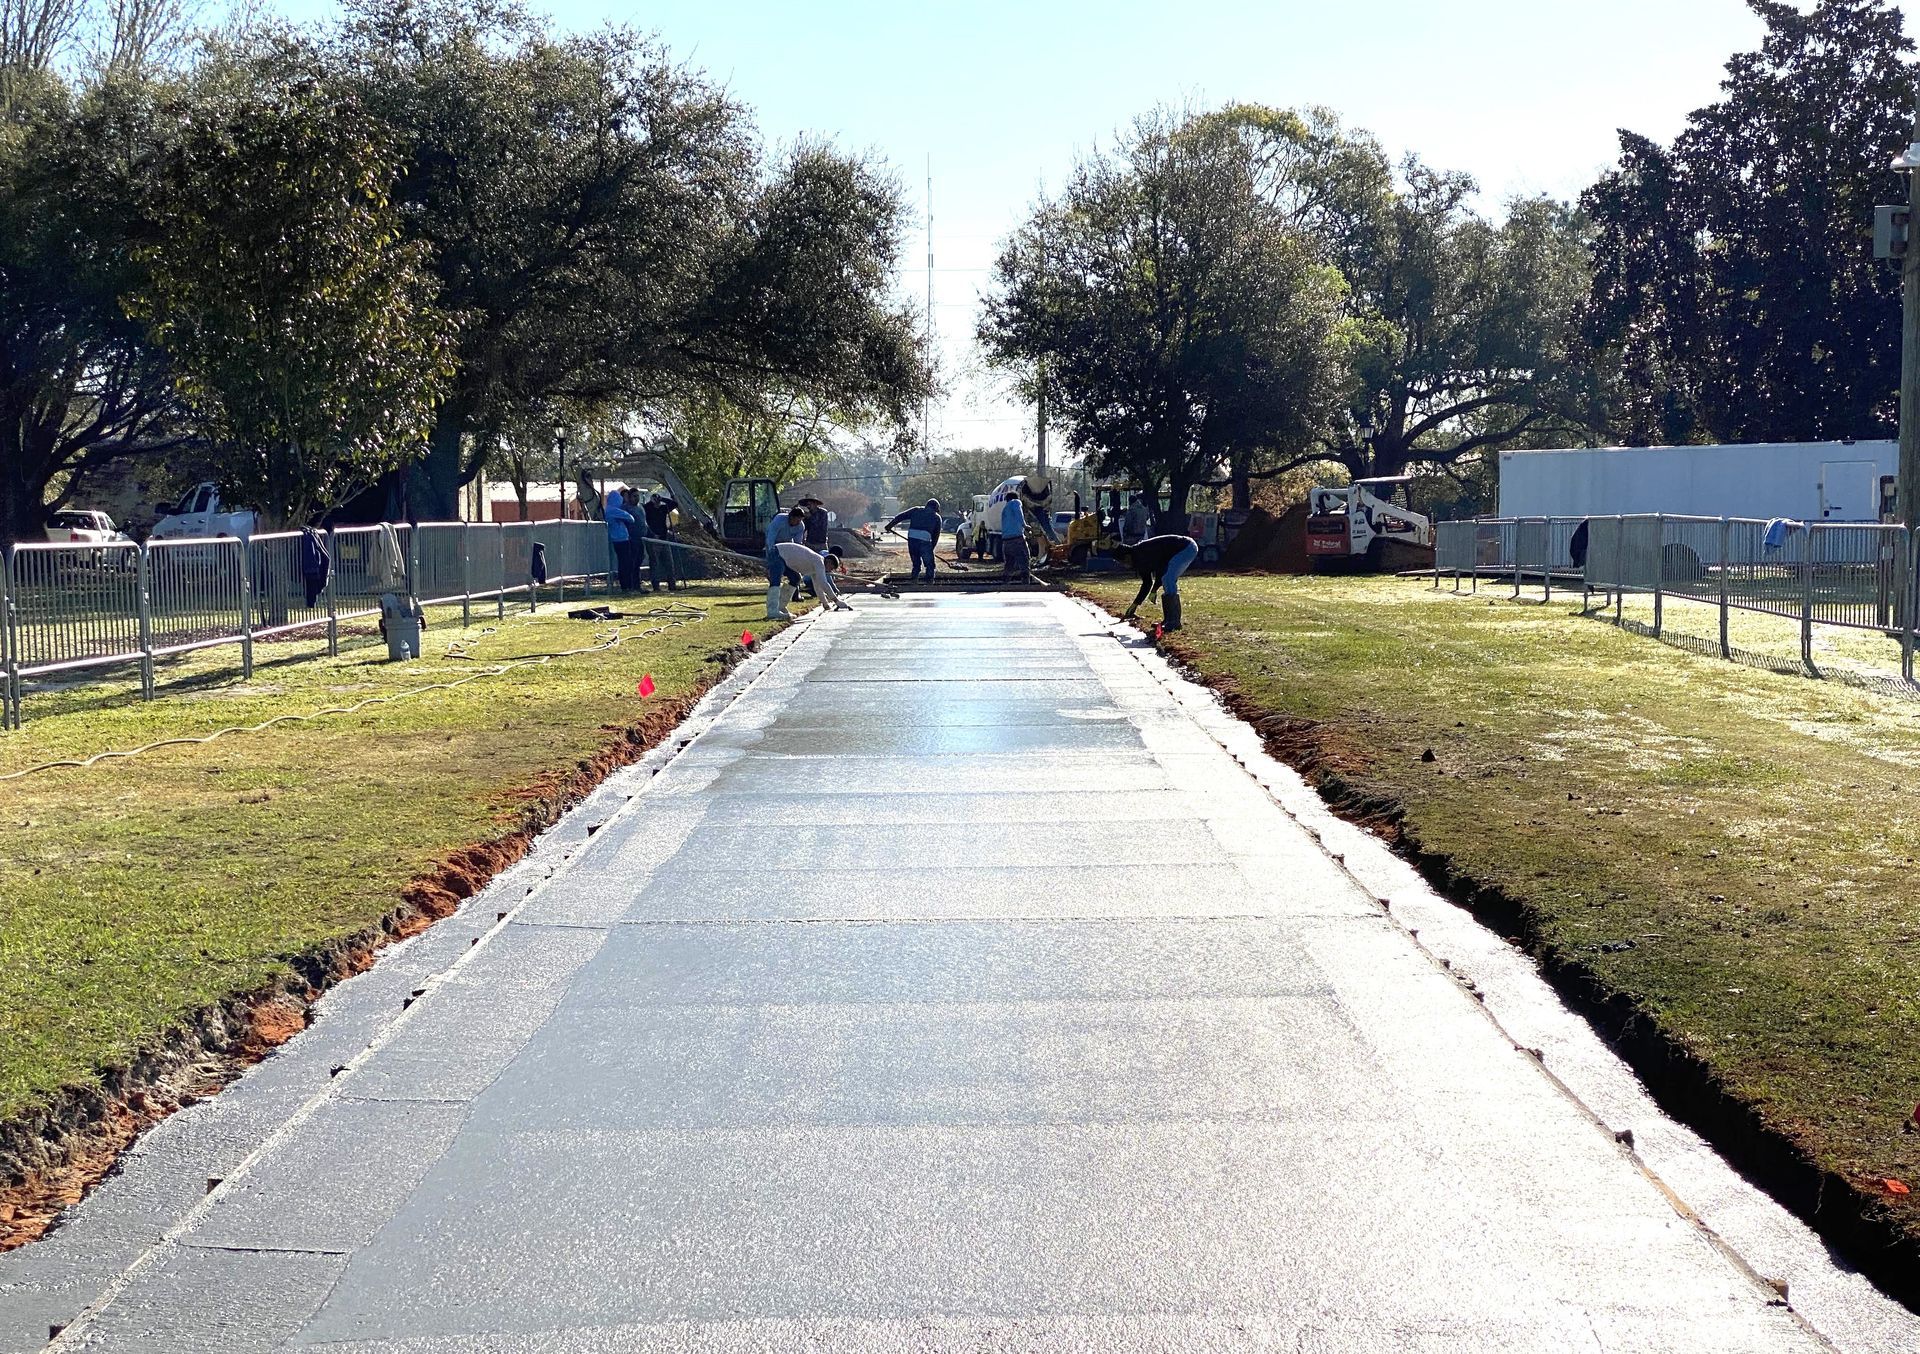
(955, 989)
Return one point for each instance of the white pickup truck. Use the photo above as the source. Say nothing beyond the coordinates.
(82, 526)
(200, 514)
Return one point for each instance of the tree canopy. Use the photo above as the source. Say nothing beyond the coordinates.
(1248, 290)
(1735, 295)
(484, 222)
(1182, 319)
(303, 334)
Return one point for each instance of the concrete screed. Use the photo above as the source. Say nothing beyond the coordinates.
(961, 984)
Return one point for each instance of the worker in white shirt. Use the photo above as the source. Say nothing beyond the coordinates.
(816, 568)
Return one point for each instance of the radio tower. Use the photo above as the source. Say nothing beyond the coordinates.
(926, 426)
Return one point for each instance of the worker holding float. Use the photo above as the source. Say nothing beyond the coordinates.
(816, 568)
(1160, 560)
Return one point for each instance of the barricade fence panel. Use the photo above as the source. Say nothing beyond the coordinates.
(72, 606)
(368, 563)
(195, 594)
(286, 598)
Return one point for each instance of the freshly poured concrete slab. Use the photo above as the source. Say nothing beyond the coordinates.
(935, 1002)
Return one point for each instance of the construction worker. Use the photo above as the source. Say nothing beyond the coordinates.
(1138, 521)
(782, 582)
(816, 568)
(658, 510)
(1015, 560)
(1036, 492)
(1160, 560)
(620, 537)
(923, 530)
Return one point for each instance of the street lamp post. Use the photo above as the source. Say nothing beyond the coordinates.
(560, 445)
(1908, 485)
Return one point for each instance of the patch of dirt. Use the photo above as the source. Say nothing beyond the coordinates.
(51, 1157)
(1269, 544)
(1855, 1215)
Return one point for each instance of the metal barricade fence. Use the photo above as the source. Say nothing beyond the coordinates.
(1863, 576)
(197, 595)
(68, 607)
(72, 607)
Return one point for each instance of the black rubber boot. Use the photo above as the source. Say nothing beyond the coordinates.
(1170, 609)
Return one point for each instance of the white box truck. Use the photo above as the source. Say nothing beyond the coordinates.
(1807, 481)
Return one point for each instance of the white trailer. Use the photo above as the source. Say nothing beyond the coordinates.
(1806, 481)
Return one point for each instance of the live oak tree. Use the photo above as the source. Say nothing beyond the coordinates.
(81, 384)
(1464, 330)
(605, 228)
(1735, 296)
(1182, 317)
(301, 328)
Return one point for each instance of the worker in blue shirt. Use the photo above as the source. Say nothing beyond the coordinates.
(782, 582)
(923, 529)
(1016, 561)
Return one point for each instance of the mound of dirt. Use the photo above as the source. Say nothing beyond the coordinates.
(710, 566)
(1269, 544)
(850, 544)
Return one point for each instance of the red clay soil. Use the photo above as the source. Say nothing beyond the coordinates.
(1269, 544)
(52, 1157)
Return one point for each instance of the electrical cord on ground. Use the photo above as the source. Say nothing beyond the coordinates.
(678, 614)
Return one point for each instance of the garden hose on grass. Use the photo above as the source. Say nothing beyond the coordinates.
(668, 617)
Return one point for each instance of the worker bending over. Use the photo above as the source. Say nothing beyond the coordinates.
(1160, 560)
(923, 530)
(816, 568)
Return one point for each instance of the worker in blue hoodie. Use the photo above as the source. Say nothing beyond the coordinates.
(923, 530)
(620, 537)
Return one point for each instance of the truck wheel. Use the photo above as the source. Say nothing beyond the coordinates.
(1078, 555)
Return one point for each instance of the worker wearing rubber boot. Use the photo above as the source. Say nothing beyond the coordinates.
(1160, 560)
(923, 530)
(817, 569)
(782, 582)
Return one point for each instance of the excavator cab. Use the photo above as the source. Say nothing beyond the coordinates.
(746, 508)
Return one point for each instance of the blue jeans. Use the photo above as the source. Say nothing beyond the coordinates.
(1179, 564)
(777, 569)
(920, 552)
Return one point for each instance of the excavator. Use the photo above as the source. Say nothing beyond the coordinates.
(746, 506)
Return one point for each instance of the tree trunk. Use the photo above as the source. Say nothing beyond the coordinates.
(22, 514)
(1174, 520)
(434, 481)
(1242, 481)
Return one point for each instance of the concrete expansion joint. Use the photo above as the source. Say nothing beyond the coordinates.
(1181, 689)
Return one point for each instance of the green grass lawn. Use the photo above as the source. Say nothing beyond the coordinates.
(1733, 849)
(134, 893)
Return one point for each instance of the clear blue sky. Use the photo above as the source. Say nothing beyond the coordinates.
(1524, 94)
